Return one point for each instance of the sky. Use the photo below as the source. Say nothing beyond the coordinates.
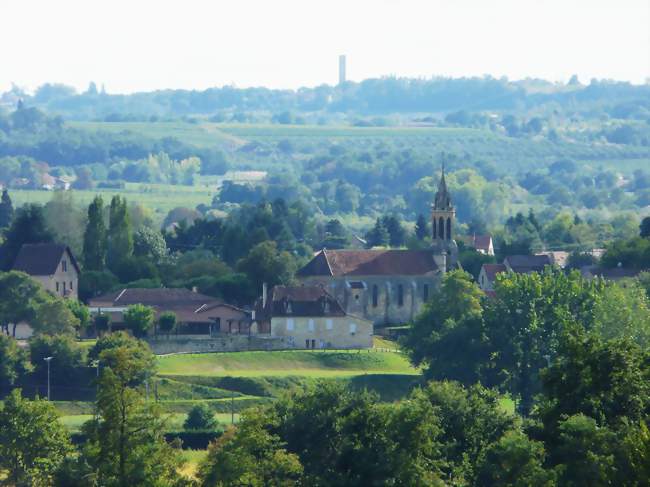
(143, 45)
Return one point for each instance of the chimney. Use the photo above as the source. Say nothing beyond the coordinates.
(264, 295)
(195, 289)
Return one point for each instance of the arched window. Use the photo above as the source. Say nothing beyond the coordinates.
(400, 295)
(425, 293)
(448, 228)
(375, 295)
(441, 228)
(435, 228)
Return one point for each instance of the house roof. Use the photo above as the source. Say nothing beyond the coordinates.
(527, 263)
(42, 259)
(611, 274)
(162, 297)
(373, 262)
(299, 301)
(481, 242)
(491, 270)
(558, 257)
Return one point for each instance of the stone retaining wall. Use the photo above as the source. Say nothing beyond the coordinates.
(228, 343)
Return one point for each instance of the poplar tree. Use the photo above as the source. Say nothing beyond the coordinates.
(94, 250)
(120, 239)
(6, 210)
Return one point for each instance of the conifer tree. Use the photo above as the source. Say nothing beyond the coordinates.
(120, 239)
(6, 210)
(421, 230)
(94, 250)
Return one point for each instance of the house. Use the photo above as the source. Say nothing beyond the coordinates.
(609, 274)
(488, 275)
(309, 317)
(521, 264)
(388, 286)
(482, 243)
(52, 265)
(197, 315)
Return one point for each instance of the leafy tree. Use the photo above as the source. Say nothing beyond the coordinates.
(94, 246)
(54, 317)
(138, 352)
(80, 311)
(200, 417)
(120, 239)
(95, 283)
(20, 298)
(68, 357)
(28, 226)
(167, 322)
(6, 210)
(33, 443)
(149, 243)
(14, 361)
(421, 227)
(125, 443)
(447, 335)
(265, 264)
(102, 323)
(515, 461)
(139, 319)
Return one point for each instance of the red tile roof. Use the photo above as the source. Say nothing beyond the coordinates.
(369, 263)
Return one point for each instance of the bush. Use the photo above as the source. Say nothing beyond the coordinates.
(200, 417)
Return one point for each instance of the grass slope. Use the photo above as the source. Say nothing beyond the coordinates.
(286, 363)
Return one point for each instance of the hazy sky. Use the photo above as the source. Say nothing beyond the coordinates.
(135, 45)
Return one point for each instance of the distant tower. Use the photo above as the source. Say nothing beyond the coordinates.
(342, 69)
(443, 220)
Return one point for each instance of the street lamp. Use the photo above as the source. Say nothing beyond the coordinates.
(48, 360)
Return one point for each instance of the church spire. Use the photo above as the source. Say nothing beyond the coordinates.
(443, 198)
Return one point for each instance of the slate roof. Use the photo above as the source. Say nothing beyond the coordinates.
(524, 264)
(491, 270)
(42, 259)
(299, 301)
(373, 262)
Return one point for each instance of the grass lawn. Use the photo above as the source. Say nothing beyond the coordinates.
(192, 459)
(326, 364)
(174, 420)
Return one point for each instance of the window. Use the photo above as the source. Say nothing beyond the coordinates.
(70, 285)
(329, 324)
(310, 324)
(307, 343)
(289, 324)
(425, 292)
(353, 328)
(63, 287)
(64, 266)
(441, 228)
(448, 228)
(313, 344)
(400, 295)
(375, 295)
(57, 287)
(288, 308)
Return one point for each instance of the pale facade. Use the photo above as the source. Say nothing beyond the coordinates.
(51, 265)
(323, 332)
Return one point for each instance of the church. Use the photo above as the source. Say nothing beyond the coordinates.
(389, 286)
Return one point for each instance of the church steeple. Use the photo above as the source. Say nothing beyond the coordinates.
(443, 214)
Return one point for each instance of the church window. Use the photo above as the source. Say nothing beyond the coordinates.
(441, 228)
(448, 228)
(400, 295)
(425, 292)
(375, 295)
(435, 228)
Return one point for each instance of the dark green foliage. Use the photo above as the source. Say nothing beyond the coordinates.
(200, 417)
(266, 264)
(421, 227)
(20, 299)
(28, 226)
(95, 283)
(67, 358)
(644, 228)
(139, 319)
(14, 361)
(378, 236)
(166, 322)
(120, 238)
(138, 350)
(6, 210)
(633, 253)
(94, 249)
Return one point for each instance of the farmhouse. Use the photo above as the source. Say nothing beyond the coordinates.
(309, 317)
(388, 286)
(52, 265)
(197, 315)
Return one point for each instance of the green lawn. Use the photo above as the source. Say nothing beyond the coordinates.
(326, 364)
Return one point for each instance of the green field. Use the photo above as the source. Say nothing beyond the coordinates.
(174, 420)
(325, 364)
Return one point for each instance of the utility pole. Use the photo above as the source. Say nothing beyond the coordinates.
(48, 360)
(232, 407)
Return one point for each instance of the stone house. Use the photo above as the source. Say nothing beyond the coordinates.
(311, 318)
(389, 286)
(198, 316)
(52, 265)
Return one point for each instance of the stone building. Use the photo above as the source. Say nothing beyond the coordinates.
(309, 317)
(52, 265)
(389, 286)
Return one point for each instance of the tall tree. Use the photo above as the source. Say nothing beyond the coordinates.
(120, 239)
(6, 210)
(94, 249)
(28, 226)
(33, 443)
(20, 298)
(421, 227)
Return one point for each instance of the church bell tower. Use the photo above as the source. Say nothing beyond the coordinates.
(443, 220)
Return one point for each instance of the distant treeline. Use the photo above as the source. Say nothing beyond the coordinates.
(384, 95)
